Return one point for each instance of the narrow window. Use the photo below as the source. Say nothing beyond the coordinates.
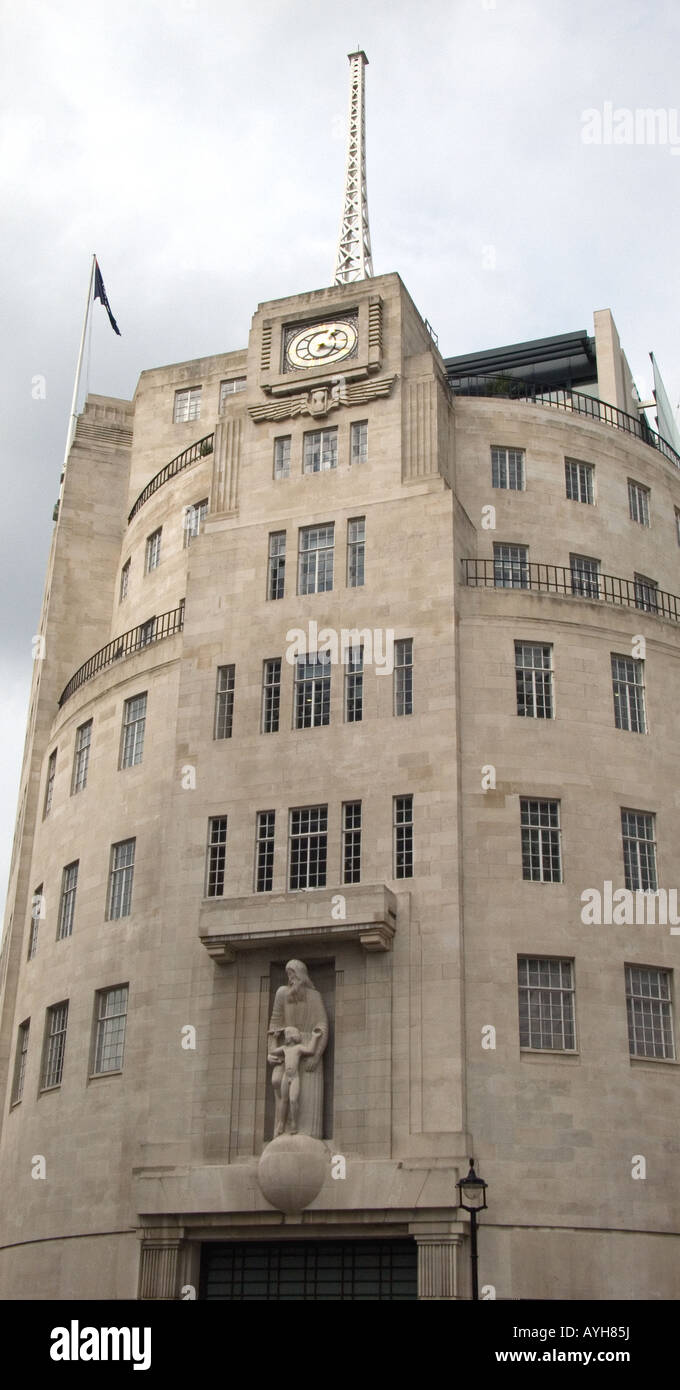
(546, 1004)
(217, 857)
(147, 632)
(402, 823)
(124, 581)
(282, 456)
(579, 481)
(67, 904)
(264, 852)
(354, 684)
(81, 757)
(359, 441)
(231, 388)
(153, 550)
(109, 1043)
(315, 561)
(20, 1058)
(351, 842)
(649, 1009)
(56, 1022)
(510, 566)
(271, 695)
(277, 564)
(308, 847)
(585, 576)
(49, 785)
(194, 516)
(121, 877)
(224, 701)
(356, 550)
(639, 850)
(320, 451)
(187, 405)
(403, 676)
(312, 690)
(629, 694)
(638, 502)
(646, 594)
(134, 728)
(541, 849)
(37, 914)
(533, 678)
(677, 524)
(507, 469)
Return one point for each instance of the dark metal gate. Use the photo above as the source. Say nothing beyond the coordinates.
(309, 1270)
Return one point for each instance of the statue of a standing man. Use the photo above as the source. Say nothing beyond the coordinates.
(299, 1005)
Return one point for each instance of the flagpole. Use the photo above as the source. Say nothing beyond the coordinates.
(74, 416)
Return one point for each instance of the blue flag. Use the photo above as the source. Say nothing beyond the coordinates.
(100, 294)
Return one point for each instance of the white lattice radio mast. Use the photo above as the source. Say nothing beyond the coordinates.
(354, 244)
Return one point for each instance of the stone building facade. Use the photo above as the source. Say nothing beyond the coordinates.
(203, 799)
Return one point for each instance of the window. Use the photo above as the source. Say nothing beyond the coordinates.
(271, 695)
(308, 847)
(49, 785)
(312, 690)
(546, 1004)
(579, 481)
(534, 680)
(638, 502)
(585, 576)
(147, 632)
(67, 905)
(194, 516)
(224, 701)
(134, 726)
(187, 405)
(646, 593)
(110, 1035)
(359, 441)
(507, 469)
(217, 857)
(153, 550)
(264, 852)
(402, 829)
(120, 880)
(81, 757)
(541, 858)
(629, 694)
(354, 684)
(649, 1008)
(639, 850)
(231, 387)
(282, 456)
(55, 1044)
(677, 524)
(403, 676)
(124, 581)
(315, 568)
(37, 912)
(351, 842)
(319, 451)
(511, 566)
(277, 564)
(356, 550)
(20, 1057)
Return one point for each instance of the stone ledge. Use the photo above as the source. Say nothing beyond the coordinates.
(228, 926)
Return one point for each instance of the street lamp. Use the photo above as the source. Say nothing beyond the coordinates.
(472, 1198)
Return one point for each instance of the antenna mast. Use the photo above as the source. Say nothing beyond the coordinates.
(354, 244)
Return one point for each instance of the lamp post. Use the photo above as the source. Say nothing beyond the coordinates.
(472, 1198)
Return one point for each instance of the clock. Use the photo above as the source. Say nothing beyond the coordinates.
(319, 343)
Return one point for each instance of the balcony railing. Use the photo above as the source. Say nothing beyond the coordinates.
(572, 583)
(154, 630)
(561, 398)
(184, 460)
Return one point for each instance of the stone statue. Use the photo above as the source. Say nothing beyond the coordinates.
(299, 1006)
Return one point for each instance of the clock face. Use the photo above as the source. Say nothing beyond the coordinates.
(319, 343)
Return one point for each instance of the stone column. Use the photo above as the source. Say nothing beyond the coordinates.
(438, 1273)
(159, 1267)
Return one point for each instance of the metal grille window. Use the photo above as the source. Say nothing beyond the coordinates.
(231, 388)
(20, 1058)
(312, 690)
(507, 469)
(194, 516)
(351, 842)
(81, 757)
(153, 550)
(37, 912)
(585, 576)
(310, 1270)
(356, 551)
(638, 502)
(315, 567)
(67, 905)
(534, 677)
(271, 695)
(187, 405)
(224, 701)
(359, 441)
(134, 727)
(110, 1036)
(639, 850)
(649, 1008)
(49, 785)
(320, 451)
(55, 1046)
(124, 581)
(308, 847)
(402, 826)
(216, 857)
(629, 694)
(354, 684)
(546, 1004)
(264, 852)
(579, 481)
(403, 676)
(645, 593)
(120, 879)
(277, 564)
(282, 456)
(510, 566)
(541, 856)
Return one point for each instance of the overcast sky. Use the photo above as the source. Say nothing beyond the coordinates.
(198, 147)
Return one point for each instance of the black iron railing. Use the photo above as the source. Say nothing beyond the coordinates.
(561, 398)
(572, 583)
(184, 460)
(154, 630)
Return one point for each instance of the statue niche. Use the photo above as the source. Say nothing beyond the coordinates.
(296, 1041)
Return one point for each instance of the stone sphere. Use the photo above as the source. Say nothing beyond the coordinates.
(291, 1171)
